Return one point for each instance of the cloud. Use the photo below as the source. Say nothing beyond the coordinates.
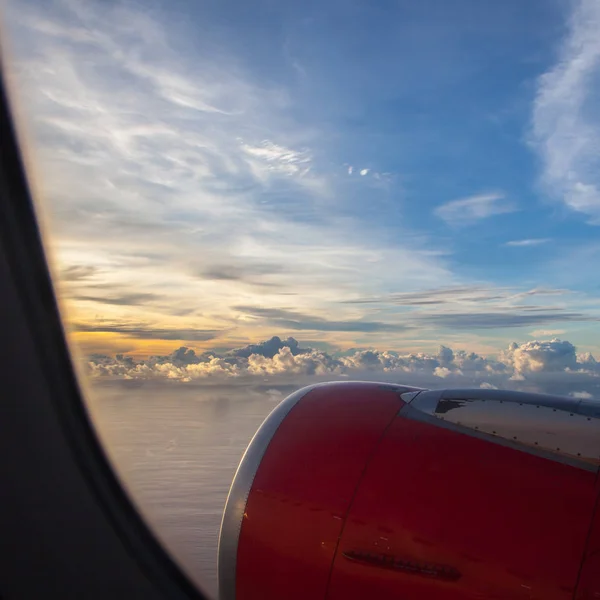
(466, 308)
(441, 372)
(551, 366)
(376, 179)
(133, 299)
(309, 363)
(467, 211)
(456, 295)
(212, 192)
(565, 116)
(269, 348)
(277, 159)
(496, 320)
(148, 332)
(78, 272)
(382, 177)
(209, 187)
(252, 274)
(582, 395)
(487, 386)
(531, 357)
(547, 332)
(479, 307)
(528, 242)
(542, 292)
(300, 321)
(183, 356)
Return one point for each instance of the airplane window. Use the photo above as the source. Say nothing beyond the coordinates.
(242, 199)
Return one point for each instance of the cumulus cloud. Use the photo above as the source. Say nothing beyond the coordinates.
(467, 211)
(582, 395)
(284, 362)
(487, 386)
(566, 120)
(551, 366)
(441, 372)
(532, 357)
(588, 361)
(270, 348)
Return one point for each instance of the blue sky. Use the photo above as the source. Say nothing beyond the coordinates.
(354, 174)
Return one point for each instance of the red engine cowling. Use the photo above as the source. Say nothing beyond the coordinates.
(363, 490)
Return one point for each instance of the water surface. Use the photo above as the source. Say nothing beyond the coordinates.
(177, 449)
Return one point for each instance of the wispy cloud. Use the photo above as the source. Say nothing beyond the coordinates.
(539, 333)
(148, 332)
(528, 242)
(290, 319)
(461, 296)
(501, 320)
(131, 299)
(375, 177)
(467, 211)
(486, 311)
(257, 274)
(183, 184)
(78, 272)
(278, 159)
(566, 121)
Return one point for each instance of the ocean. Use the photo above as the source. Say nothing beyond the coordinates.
(176, 449)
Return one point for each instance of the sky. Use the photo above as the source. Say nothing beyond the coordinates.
(351, 175)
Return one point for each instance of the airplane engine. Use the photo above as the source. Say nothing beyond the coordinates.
(364, 490)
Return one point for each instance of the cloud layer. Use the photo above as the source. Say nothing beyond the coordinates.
(551, 366)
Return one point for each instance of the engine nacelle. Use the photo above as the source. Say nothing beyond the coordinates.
(363, 490)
